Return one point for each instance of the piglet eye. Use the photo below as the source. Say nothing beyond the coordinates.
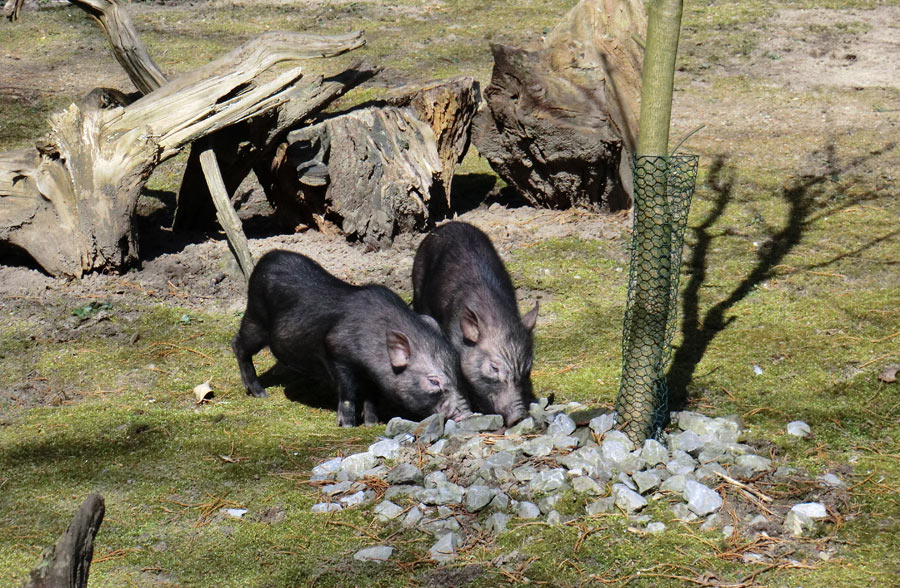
(436, 382)
(495, 367)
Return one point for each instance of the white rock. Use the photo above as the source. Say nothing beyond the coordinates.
(412, 517)
(437, 447)
(798, 429)
(354, 499)
(654, 452)
(397, 426)
(354, 465)
(814, 510)
(496, 523)
(646, 481)
(656, 527)
(627, 499)
(832, 481)
(554, 518)
(602, 423)
(701, 499)
(375, 553)
(477, 497)
(327, 468)
(561, 426)
(687, 441)
(600, 506)
(326, 507)
(585, 485)
(386, 448)
(547, 481)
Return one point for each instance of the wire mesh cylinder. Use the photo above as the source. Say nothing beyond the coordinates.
(663, 187)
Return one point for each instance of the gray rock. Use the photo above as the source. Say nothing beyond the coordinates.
(538, 447)
(707, 473)
(355, 465)
(585, 485)
(442, 493)
(528, 510)
(603, 505)
(674, 483)
(654, 452)
(435, 478)
(501, 459)
(377, 472)
(327, 468)
(799, 429)
(450, 427)
(404, 473)
(437, 447)
(757, 521)
(603, 423)
(430, 429)
(478, 497)
(445, 548)
(440, 526)
(523, 427)
(480, 422)
(687, 441)
(500, 501)
(397, 426)
(412, 517)
(711, 451)
(621, 438)
(567, 442)
(784, 472)
(584, 437)
(386, 448)
(681, 512)
(354, 499)
(627, 499)
(525, 472)
(646, 481)
(554, 518)
(681, 463)
(326, 507)
(656, 527)
(701, 499)
(727, 531)
(560, 426)
(387, 511)
(831, 481)
(375, 553)
(548, 503)
(755, 463)
(474, 447)
(626, 479)
(725, 429)
(496, 523)
(547, 481)
(614, 452)
(536, 410)
(335, 489)
(402, 491)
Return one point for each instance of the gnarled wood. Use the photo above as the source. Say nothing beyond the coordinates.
(68, 562)
(82, 184)
(561, 118)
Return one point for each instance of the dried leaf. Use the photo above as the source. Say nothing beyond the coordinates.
(203, 392)
(889, 374)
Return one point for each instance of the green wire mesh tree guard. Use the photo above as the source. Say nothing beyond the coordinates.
(663, 187)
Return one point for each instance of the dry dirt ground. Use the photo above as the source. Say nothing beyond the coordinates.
(196, 270)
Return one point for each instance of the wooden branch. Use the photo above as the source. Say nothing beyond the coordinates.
(67, 564)
(127, 46)
(225, 213)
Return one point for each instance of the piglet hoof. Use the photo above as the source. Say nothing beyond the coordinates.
(257, 390)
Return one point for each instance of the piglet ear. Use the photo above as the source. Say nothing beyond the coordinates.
(429, 320)
(398, 349)
(530, 319)
(468, 323)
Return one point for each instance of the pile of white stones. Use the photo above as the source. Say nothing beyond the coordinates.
(449, 478)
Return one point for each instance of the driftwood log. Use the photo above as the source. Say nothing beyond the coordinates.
(376, 171)
(560, 121)
(69, 201)
(67, 563)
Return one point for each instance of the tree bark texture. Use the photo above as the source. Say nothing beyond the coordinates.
(68, 562)
(561, 118)
(377, 170)
(70, 201)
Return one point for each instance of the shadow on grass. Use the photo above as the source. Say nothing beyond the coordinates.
(802, 197)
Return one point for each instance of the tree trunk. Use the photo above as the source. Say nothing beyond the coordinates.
(67, 564)
(644, 339)
(70, 202)
(561, 118)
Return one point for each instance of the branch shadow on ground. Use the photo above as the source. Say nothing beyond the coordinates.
(802, 196)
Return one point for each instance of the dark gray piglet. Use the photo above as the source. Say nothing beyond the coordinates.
(460, 280)
(362, 341)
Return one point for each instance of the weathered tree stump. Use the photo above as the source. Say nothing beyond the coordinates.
(562, 118)
(69, 202)
(379, 170)
(68, 562)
